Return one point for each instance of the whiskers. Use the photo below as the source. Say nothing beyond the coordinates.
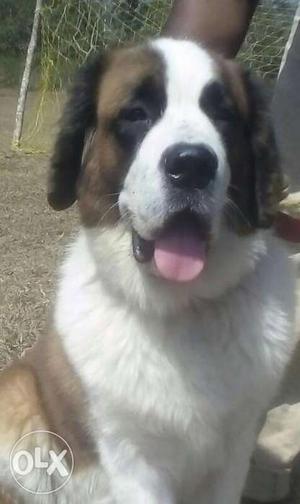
(234, 213)
(114, 205)
(121, 217)
(111, 194)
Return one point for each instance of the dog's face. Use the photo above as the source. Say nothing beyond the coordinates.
(177, 149)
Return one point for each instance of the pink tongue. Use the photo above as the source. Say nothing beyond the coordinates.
(180, 254)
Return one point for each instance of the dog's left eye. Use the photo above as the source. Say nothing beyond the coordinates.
(134, 114)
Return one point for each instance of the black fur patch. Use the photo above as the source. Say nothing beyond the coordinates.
(78, 117)
(146, 106)
(251, 153)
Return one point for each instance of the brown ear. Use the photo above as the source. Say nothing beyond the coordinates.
(269, 182)
(79, 117)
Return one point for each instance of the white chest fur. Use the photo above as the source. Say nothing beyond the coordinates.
(180, 387)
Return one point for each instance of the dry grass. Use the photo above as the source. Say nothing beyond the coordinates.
(31, 241)
(32, 237)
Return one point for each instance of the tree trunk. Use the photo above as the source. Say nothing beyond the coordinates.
(26, 76)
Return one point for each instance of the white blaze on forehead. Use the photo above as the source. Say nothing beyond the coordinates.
(189, 68)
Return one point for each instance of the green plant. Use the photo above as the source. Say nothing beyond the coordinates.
(15, 27)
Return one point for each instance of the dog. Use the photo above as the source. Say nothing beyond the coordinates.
(173, 321)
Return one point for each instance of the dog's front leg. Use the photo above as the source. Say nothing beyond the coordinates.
(132, 479)
(229, 483)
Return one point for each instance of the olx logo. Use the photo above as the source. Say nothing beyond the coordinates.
(41, 470)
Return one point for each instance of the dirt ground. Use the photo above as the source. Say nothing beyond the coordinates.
(32, 238)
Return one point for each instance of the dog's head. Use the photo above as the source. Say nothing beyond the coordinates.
(173, 146)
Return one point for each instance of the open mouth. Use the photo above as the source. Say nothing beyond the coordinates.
(180, 249)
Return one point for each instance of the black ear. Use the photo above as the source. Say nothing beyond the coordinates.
(79, 116)
(269, 182)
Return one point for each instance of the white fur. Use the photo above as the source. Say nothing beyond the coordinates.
(175, 398)
(145, 197)
(177, 377)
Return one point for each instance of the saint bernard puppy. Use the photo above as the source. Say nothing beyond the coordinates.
(174, 312)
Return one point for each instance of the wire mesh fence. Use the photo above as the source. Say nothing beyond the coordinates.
(74, 29)
(265, 42)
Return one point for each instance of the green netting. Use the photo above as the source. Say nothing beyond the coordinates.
(73, 29)
(265, 42)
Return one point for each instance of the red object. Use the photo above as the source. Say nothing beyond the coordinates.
(288, 227)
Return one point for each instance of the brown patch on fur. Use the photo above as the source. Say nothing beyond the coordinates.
(21, 407)
(270, 184)
(241, 202)
(101, 181)
(42, 392)
(21, 412)
(256, 183)
(127, 69)
(107, 161)
(233, 77)
(7, 497)
(62, 397)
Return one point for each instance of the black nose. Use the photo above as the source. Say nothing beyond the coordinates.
(190, 166)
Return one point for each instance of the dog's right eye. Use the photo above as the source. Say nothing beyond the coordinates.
(134, 114)
(132, 124)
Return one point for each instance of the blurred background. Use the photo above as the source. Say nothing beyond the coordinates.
(70, 30)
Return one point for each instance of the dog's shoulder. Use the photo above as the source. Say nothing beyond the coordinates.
(21, 407)
(43, 404)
